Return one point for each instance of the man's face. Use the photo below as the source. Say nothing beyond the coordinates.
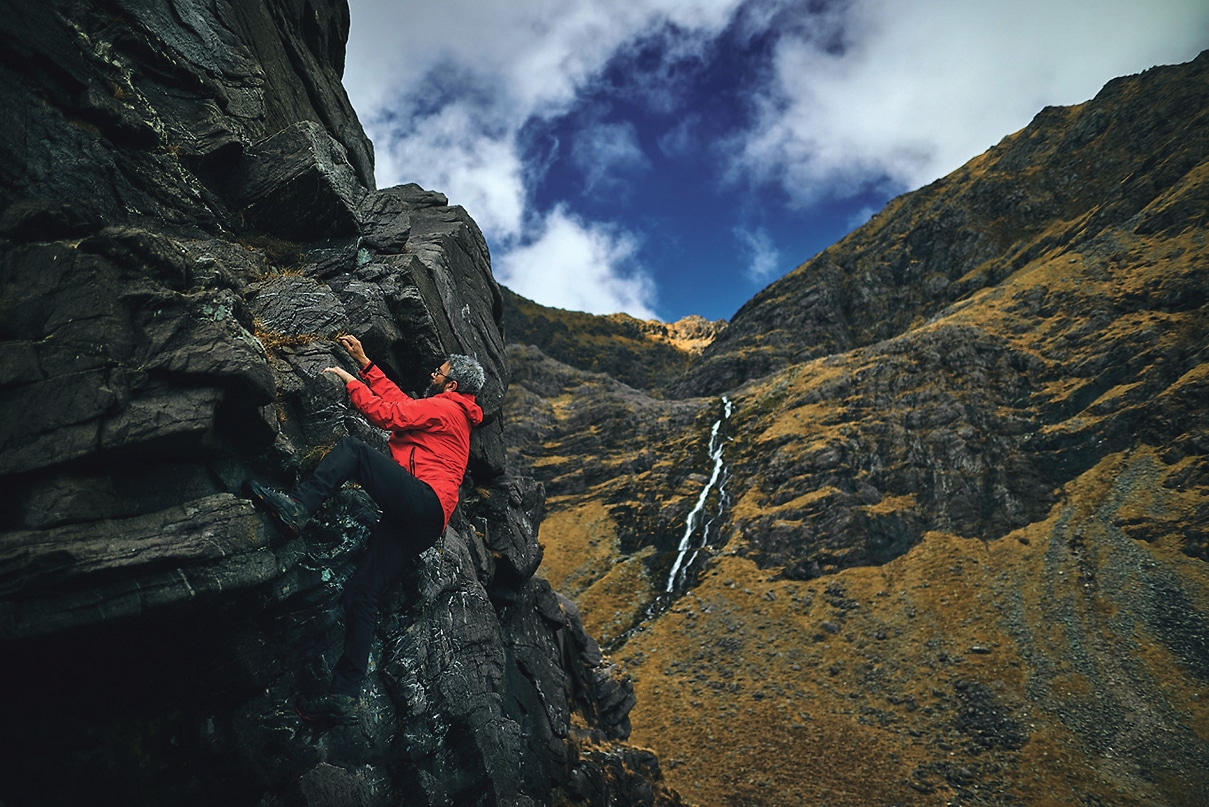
(438, 381)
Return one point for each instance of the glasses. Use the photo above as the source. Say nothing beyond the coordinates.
(437, 374)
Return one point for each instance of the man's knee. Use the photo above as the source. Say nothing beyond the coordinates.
(350, 445)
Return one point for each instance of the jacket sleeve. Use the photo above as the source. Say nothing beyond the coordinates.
(385, 405)
(382, 386)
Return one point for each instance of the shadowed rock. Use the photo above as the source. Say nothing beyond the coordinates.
(187, 221)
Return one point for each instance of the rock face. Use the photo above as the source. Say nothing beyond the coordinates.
(960, 523)
(187, 220)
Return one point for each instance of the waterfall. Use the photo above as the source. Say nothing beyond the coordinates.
(718, 478)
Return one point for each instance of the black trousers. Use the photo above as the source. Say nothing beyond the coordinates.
(412, 521)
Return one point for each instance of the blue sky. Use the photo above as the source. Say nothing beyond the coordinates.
(673, 157)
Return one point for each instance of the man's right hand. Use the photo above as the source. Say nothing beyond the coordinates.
(353, 345)
(341, 373)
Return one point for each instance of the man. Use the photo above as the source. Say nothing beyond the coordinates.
(416, 489)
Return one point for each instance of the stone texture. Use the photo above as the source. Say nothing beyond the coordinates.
(187, 221)
(297, 184)
(90, 572)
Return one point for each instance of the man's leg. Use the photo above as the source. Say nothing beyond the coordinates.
(412, 521)
(403, 498)
(349, 459)
(385, 559)
(340, 464)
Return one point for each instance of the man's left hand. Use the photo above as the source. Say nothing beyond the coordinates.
(353, 345)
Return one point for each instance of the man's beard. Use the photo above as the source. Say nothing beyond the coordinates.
(434, 388)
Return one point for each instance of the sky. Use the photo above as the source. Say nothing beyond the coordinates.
(672, 157)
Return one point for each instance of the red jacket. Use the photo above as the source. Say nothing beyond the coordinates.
(430, 437)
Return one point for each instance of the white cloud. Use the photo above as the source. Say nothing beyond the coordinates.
(579, 266)
(452, 151)
(529, 57)
(860, 94)
(760, 255)
(921, 86)
(443, 90)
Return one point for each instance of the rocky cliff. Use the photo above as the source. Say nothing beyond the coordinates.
(187, 220)
(926, 523)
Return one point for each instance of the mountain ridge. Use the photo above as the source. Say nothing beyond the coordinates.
(935, 503)
(641, 353)
(979, 232)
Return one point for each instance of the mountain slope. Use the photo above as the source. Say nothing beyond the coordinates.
(960, 552)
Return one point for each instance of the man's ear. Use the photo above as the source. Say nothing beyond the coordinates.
(452, 386)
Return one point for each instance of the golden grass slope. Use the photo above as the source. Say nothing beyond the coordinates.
(1065, 663)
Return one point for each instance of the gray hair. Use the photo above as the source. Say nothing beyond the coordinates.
(467, 371)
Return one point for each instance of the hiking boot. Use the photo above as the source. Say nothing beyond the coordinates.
(338, 710)
(285, 510)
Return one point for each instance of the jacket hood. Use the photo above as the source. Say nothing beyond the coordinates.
(474, 412)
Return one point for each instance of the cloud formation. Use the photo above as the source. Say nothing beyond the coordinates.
(408, 69)
(849, 98)
(897, 94)
(579, 266)
(607, 154)
(760, 256)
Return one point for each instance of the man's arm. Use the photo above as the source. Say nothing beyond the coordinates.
(341, 373)
(371, 374)
(375, 395)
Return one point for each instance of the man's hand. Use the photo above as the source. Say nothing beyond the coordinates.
(343, 374)
(353, 345)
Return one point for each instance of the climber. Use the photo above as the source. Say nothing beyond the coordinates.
(416, 488)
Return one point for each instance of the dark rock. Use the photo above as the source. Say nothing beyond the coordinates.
(297, 50)
(207, 337)
(76, 575)
(299, 185)
(152, 361)
(295, 307)
(386, 219)
(511, 510)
